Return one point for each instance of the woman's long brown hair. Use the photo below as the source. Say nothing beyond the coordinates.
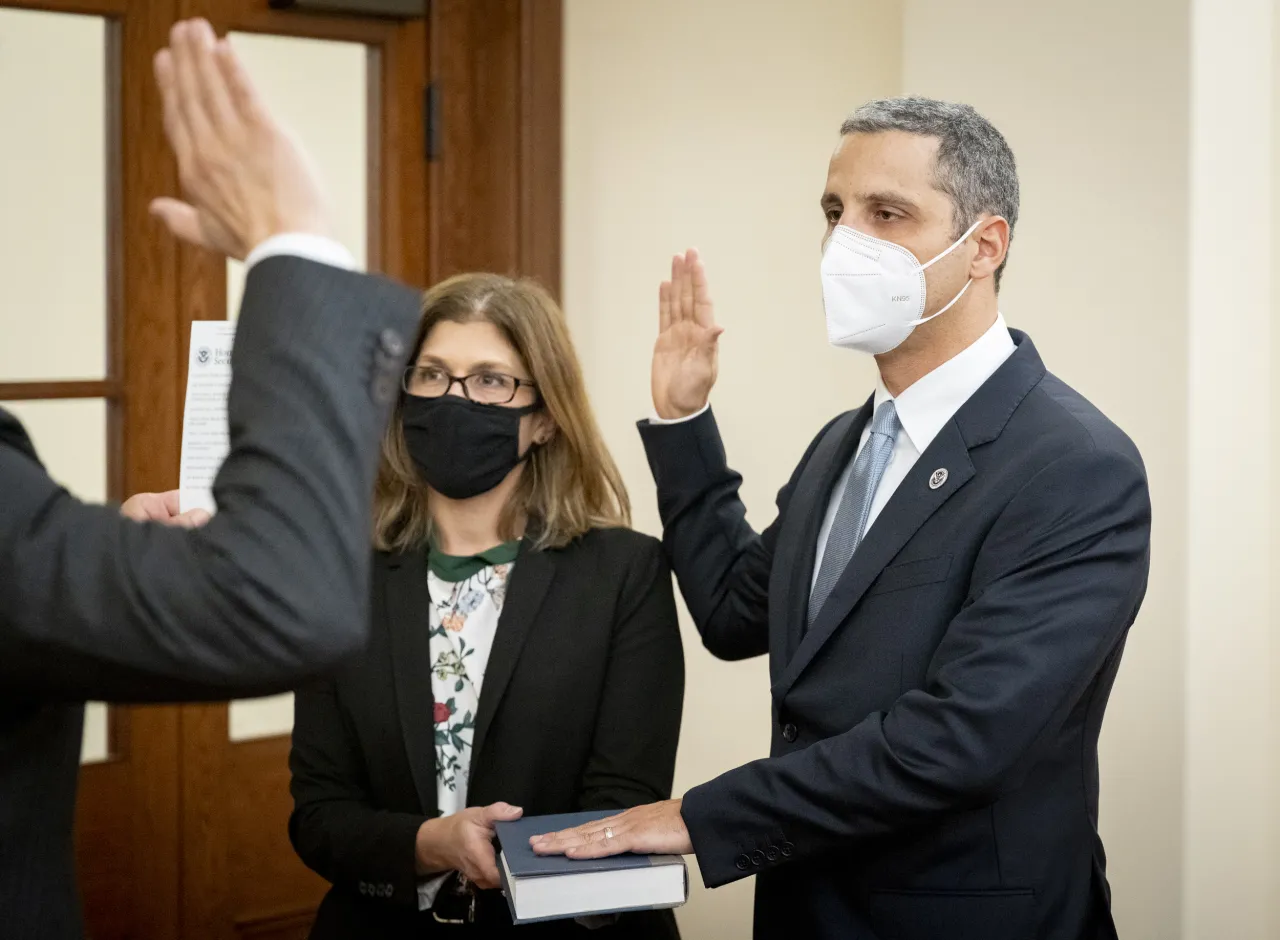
(570, 484)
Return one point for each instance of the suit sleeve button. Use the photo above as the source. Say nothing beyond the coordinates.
(384, 389)
(789, 732)
(391, 343)
(771, 853)
(787, 849)
(742, 863)
(757, 858)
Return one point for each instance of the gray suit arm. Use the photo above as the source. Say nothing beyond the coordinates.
(275, 588)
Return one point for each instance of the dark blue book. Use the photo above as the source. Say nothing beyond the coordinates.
(554, 887)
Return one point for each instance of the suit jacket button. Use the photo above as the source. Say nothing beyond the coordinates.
(742, 863)
(757, 858)
(384, 389)
(391, 343)
(789, 732)
(787, 849)
(771, 853)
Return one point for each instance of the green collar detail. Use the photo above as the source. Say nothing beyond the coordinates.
(455, 568)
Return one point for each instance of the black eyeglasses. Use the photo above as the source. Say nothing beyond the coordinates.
(486, 388)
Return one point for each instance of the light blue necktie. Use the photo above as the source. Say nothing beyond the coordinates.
(855, 505)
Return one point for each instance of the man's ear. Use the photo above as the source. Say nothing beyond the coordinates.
(992, 237)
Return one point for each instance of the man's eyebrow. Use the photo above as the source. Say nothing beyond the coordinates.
(888, 197)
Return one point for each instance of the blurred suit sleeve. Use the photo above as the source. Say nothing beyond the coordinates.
(275, 588)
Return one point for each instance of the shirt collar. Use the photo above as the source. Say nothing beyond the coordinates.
(925, 407)
(460, 567)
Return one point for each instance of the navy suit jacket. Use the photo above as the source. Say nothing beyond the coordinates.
(933, 773)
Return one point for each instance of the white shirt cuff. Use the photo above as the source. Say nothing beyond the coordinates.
(654, 419)
(428, 890)
(302, 245)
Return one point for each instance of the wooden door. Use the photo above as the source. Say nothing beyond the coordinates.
(181, 827)
(442, 154)
(352, 89)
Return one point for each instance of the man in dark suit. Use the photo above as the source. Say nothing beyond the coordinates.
(944, 594)
(274, 588)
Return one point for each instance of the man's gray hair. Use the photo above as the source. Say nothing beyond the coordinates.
(975, 166)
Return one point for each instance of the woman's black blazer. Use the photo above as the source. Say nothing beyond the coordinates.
(580, 709)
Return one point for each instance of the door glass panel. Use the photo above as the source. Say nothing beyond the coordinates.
(71, 439)
(320, 89)
(95, 744)
(53, 172)
(248, 719)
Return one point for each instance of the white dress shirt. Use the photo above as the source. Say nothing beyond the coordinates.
(301, 245)
(923, 410)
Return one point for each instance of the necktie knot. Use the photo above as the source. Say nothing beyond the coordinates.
(885, 420)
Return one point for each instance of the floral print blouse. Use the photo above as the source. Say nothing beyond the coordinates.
(467, 594)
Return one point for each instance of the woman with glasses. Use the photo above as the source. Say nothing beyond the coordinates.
(524, 656)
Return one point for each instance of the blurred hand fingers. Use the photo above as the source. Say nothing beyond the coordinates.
(180, 218)
(215, 95)
(244, 97)
(174, 127)
(145, 507)
(191, 519)
(187, 41)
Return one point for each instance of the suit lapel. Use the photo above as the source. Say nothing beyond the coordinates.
(407, 594)
(799, 540)
(979, 421)
(907, 510)
(530, 580)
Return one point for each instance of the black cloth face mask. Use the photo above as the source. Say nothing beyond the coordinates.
(461, 447)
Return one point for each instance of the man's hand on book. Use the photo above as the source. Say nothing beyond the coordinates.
(656, 829)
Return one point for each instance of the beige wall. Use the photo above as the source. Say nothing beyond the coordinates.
(1096, 278)
(1230, 874)
(710, 124)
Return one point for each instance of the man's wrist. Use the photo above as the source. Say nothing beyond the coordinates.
(672, 417)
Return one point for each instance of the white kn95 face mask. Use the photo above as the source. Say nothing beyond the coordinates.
(874, 290)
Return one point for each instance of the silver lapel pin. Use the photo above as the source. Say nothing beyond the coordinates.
(939, 477)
